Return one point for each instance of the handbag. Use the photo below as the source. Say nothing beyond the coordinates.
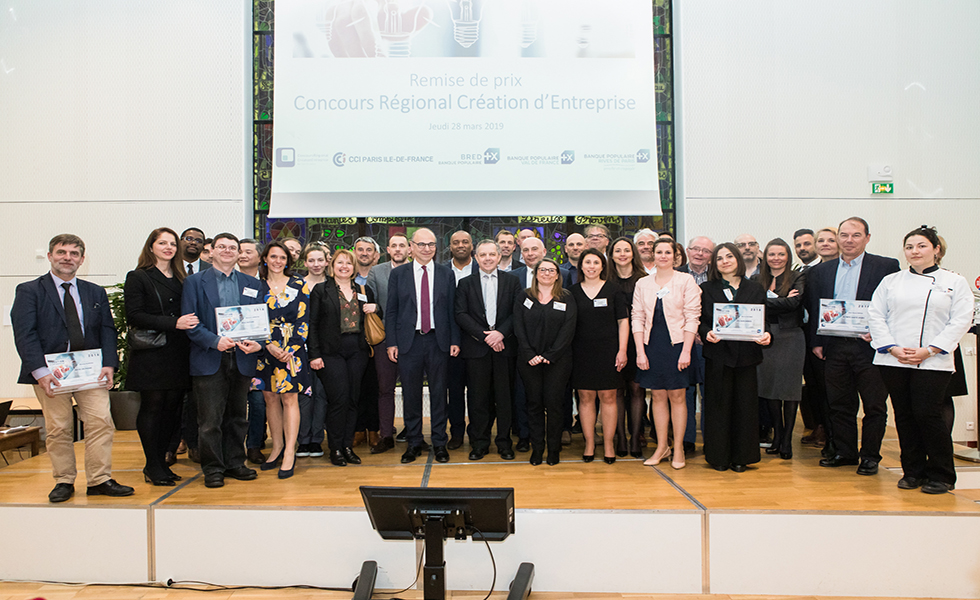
(147, 339)
(374, 328)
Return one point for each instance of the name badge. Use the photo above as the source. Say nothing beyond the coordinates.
(771, 294)
(600, 303)
(362, 297)
(663, 292)
(560, 306)
(251, 293)
(528, 303)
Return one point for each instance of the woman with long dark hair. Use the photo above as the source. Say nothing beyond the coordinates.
(626, 268)
(161, 375)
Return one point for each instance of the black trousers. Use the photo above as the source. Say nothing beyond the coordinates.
(544, 387)
(424, 361)
(158, 416)
(367, 399)
(919, 399)
(730, 412)
(491, 382)
(222, 416)
(457, 383)
(849, 372)
(341, 378)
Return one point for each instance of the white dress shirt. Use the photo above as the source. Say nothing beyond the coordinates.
(489, 284)
(461, 273)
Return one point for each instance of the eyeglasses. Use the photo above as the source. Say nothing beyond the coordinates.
(699, 250)
(424, 245)
(749, 244)
(222, 248)
(550, 270)
(193, 240)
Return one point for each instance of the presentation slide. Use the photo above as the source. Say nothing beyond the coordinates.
(464, 107)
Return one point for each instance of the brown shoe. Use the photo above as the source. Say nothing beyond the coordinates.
(819, 437)
(182, 447)
(194, 455)
(373, 438)
(807, 437)
(359, 438)
(255, 456)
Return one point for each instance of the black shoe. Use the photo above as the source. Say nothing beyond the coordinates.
(350, 457)
(720, 467)
(622, 453)
(384, 444)
(61, 492)
(255, 456)
(523, 445)
(738, 468)
(174, 476)
(214, 481)
(424, 446)
(241, 473)
(588, 457)
(688, 447)
(838, 461)
(868, 467)
(553, 459)
(455, 442)
(284, 474)
(773, 449)
(303, 451)
(271, 464)
(400, 438)
(195, 455)
(164, 481)
(170, 459)
(636, 453)
(411, 454)
(609, 459)
(911, 483)
(936, 487)
(785, 455)
(476, 454)
(577, 427)
(442, 455)
(535, 458)
(337, 458)
(316, 450)
(507, 454)
(109, 487)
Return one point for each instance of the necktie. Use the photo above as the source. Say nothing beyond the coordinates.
(76, 338)
(424, 303)
(190, 268)
(490, 299)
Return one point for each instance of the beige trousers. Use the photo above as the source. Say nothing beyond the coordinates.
(93, 410)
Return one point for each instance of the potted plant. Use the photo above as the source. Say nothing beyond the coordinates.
(123, 404)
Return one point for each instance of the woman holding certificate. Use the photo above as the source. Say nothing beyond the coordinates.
(339, 351)
(732, 350)
(161, 374)
(916, 320)
(781, 371)
(283, 368)
(666, 308)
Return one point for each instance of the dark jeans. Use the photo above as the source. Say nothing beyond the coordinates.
(341, 378)
(158, 416)
(424, 360)
(545, 386)
(221, 416)
(387, 376)
(491, 383)
(850, 371)
(312, 414)
(256, 420)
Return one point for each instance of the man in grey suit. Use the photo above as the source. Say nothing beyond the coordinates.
(377, 280)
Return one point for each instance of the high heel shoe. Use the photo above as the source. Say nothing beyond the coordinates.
(553, 459)
(287, 473)
(536, 456)
(271, 464)
(657, 456)
(636, 453)
(173, 476)
(166, 482)
(609, 459)
(588, 457)
(622, 453)
(678, 465)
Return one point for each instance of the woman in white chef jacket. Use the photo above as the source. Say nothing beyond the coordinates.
(917, 318)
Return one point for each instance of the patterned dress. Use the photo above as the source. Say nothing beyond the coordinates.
(289, 322)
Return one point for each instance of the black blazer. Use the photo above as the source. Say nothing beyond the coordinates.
(543, 329)
(402, 308)
(822, 279)
(325, 333)
(166, 368)
(729, 353)
(786, 312)
(38, 317)
(471, 314)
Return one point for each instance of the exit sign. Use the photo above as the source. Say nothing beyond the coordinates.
(882, 188)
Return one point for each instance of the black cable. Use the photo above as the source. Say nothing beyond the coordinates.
(221, 588)
(418, 571)
(493, 583)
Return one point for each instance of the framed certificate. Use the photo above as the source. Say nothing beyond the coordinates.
(843, 318)
(76, 370)
(246, 322)
(739, 321)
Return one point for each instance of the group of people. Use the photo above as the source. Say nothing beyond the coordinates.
(513, 340)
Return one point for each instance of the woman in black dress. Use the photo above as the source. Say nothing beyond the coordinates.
(161, 375)
(626, 268)
(731, 390)
(598, 350)
(544, 322)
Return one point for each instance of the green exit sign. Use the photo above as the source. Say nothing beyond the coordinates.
(882, 188)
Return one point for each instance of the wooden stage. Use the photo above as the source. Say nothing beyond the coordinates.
(781, 528)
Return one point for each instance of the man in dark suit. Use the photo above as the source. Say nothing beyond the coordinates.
(191, 245)
(849, 370)
(56, 313)
(221, 369)
(421, 336)
(484, 312)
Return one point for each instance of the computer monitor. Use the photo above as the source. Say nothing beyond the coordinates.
(400, 513)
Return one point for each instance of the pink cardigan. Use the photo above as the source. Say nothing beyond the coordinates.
(682, 306)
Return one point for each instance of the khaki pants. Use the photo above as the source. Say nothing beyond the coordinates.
(93, 410)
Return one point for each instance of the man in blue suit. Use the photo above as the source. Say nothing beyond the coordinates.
(421, 336)
(854, 276)
(221, 369)
(55, 313)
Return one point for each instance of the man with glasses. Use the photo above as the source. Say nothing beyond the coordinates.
(749, 248)
(191, 249)
(597, 236)
(421, 335)
(699, 251)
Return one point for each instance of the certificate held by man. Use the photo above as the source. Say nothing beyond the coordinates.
(843, 318)
(739, 321)
(245, 322)
(76, 370)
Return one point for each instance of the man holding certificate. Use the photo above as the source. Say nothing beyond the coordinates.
(839, 336)
(223, 358)
(66, 340)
